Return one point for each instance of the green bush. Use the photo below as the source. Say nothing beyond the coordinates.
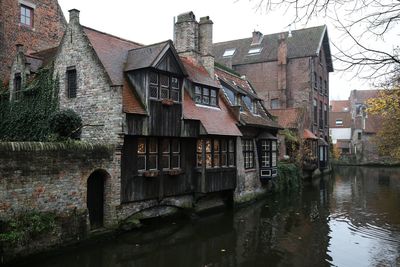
(66, 124)
(289, 177)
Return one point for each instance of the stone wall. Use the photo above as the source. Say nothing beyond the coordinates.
(97, 102)
(48, 28)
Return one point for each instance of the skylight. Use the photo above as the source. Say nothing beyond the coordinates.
(255, 50)
(229, 52)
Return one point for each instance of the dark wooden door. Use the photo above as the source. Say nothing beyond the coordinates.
(95, 200)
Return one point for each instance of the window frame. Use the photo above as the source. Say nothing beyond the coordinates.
(315, 108)
(275, 100)
(71, 77)
(224, 153)
(17, 85)
(229, 52)
(203, 93)
(248, 153)
(160, 87)
(23, 15)
(270, 152)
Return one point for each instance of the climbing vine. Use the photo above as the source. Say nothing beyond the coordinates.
(26, 119)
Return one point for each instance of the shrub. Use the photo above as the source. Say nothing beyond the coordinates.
(66, 124)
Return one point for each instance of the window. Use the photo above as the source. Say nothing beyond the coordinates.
(71, 82)
(150, 158)
(275, 103)
(321, 89)
(315, 81)
(26, 18)
(163, 86)
(248, 153)
(229, 52)
(218, 153)
(326, 87)
(255, 50)
(17, 85)
(315, 111)
(326, 114)
(321, 121)
(249, 103)
(339, 122)
(359, 135)
(205, 95)
(268, 153)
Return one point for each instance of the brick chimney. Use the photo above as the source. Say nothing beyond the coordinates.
(186, 35)
(257, 38)
(206, 43)
(194, 39)
(282, 69)
(73, 15)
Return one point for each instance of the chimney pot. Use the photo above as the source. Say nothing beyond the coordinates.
(74, 15)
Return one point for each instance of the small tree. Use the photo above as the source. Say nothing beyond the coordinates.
(66, 124)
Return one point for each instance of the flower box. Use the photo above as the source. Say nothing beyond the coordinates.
(175, 172)
(167, 102)
(151, 173)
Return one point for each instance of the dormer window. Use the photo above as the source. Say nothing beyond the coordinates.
(255, 50)
(229, 52)
(206, 96)
(163, 86)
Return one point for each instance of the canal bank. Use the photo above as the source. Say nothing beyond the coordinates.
(350, 218)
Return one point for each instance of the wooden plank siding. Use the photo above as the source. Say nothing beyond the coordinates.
(165, 120)
(218, 179)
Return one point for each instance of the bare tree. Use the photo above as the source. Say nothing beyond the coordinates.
(361, 22)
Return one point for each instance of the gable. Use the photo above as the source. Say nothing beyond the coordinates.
(169, 63)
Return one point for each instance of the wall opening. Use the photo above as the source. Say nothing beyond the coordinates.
(95, 198)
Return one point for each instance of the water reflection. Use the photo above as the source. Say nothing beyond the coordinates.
(349, 219)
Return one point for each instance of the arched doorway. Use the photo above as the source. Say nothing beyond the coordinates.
(95, 198)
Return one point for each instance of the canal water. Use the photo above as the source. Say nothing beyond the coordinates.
(351, 218)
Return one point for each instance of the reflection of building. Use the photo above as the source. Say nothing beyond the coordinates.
(288, 70)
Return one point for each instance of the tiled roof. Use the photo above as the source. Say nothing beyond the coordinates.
(307, 134)
(302, 43)
(237, 83)
(215, 121)
(340, 105)
(112, 52)
(288, 117)
(197, 73)
(344, 116)
(130, 103)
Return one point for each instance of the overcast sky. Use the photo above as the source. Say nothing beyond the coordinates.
(151, 21)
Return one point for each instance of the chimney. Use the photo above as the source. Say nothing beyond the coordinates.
(186, 35)
(206, 44)
(257, 38)
(282, 69)
(74, 15)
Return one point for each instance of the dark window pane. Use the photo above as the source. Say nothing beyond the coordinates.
(174, 95)
(165, 161)
(153, 91)
(152, 162)
(71, 83)
(224, 160)
(175, 145)
(206, 100)
(197, 90)
(164, 80)
(175, 161)
(213, 101)
(216, 159)
(164, 93)
(231, 146)
(153, 78)
(153, 145)
(224, 145)
(175, 83)
(213, 93)
(198, 99)
(165, 146)
(206, 91)
(231, 159)
(141, 162)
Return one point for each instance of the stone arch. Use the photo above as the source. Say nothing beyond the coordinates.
(95, 197)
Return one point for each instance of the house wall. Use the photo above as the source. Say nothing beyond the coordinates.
(340, 133)
(49, 25)
(97, 102)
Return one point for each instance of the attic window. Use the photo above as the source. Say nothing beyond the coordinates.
(206, 96)
(255, 50)
(229, 52)
(339, 122)
(162, 86)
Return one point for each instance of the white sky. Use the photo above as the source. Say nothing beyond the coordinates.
(151, 21)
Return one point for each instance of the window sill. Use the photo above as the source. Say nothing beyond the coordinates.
(250, 170)
(149, 173)
(174, 172)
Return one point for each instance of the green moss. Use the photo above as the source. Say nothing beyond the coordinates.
(225, 68)
(289, 177)
(26, 227)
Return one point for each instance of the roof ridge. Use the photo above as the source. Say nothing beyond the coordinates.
(114, 36)
(217, 65)
(147, 46)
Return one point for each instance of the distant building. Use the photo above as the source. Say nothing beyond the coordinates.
(34, 25)
(288, 70)
(340, 125)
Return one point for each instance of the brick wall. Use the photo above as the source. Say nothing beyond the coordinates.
(48, 28)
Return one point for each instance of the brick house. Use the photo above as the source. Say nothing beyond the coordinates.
(340, 125)
(287, 70)
(35, 25)
(177, 140)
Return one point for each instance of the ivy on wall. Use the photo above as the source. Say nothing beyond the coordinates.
(26, 119)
